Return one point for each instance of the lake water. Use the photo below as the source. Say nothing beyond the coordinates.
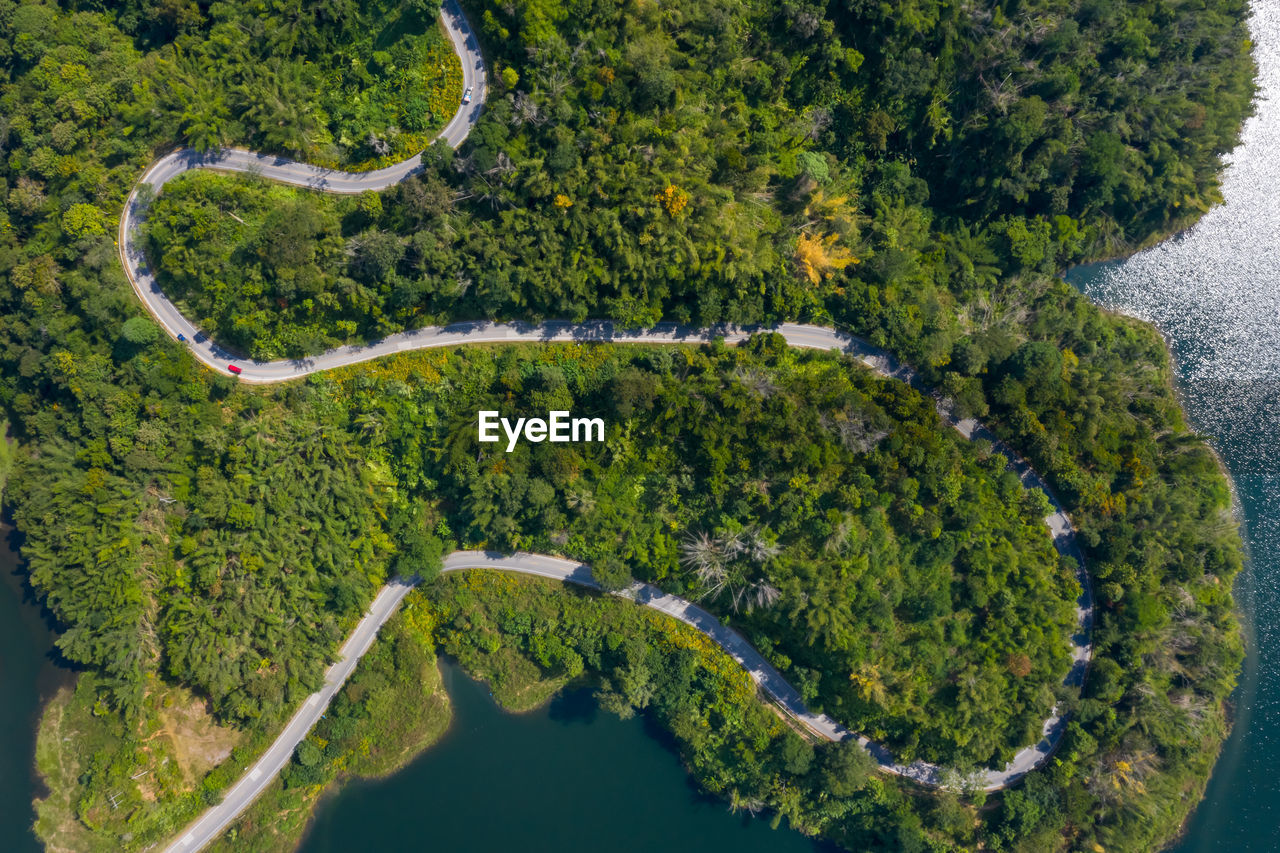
(566, 777)
(27, 677)
(1215, 293)
(1241, 811)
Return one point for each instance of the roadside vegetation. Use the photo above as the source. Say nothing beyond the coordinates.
(393, 707)
(530, 638)
(892, 570)
(123, 782)
(175, 758)
(519, 633)
(912, 172)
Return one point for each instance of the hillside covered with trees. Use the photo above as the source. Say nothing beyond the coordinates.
(894, 571)
(915, 172)
(788, 160)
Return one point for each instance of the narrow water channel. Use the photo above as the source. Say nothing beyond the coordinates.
(562, 778)
(28, 676)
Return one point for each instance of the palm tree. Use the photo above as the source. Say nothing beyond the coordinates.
(722, 563)
(293, 24)
(758, 594)
(204, 123)
(272, 100)
(825, 612)
(971, 253)
(371, 425)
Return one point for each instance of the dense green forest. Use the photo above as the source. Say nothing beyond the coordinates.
(393, 706)
(914, 172)
(896, 573)
(749, 162)
(898, 576)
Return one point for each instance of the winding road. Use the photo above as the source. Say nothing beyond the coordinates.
(210, 824)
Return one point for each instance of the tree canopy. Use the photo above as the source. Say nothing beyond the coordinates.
(914, 172)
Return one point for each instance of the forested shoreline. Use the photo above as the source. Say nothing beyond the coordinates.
(914, 174)
(898, 574)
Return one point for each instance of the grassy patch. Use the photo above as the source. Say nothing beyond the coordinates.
(56, 821)
(517, 683)
(117, 785)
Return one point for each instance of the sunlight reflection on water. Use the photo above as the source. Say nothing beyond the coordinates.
(1215, 293)
(1215, 290)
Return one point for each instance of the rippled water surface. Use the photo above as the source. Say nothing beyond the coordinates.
(1215, 292)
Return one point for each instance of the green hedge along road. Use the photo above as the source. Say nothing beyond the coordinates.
(206, 828)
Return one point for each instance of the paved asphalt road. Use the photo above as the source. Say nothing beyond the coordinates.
(215, 820)
(811, 337)
(289, 172)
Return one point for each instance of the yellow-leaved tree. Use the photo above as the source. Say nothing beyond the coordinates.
(820, 257)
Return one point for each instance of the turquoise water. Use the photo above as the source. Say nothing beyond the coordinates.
(566, 777)
(27, 677)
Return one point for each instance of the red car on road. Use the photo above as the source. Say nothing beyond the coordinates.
(234, 369)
